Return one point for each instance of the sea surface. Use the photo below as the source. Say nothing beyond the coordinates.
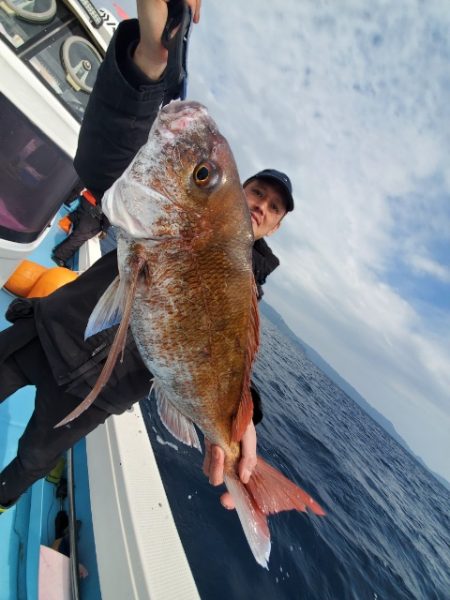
(386, 535)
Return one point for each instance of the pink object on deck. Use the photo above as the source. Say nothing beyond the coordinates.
(54, 575)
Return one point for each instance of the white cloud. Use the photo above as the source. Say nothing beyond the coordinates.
(425, 265)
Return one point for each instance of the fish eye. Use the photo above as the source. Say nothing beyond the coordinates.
(205, 174)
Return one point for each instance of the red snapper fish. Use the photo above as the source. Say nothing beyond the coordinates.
(186, 288)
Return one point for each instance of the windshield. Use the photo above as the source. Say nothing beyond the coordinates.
(67, 63)
(35, 176)
(20, 29)
(56, 48)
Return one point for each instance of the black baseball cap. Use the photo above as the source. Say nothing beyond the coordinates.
(282, 179)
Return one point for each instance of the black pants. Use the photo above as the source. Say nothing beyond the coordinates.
(87, 221)
(40, 445)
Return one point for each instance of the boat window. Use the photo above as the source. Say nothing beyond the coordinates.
(36, 176)
(33, 11)
(20, 30)
(67, 63)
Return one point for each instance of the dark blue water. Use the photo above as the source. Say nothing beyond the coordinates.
(387, 530)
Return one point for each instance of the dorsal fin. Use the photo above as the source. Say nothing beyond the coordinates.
(245, 410)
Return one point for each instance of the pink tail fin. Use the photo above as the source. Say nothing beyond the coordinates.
(267, 492)
(273, 492)
(253, 521)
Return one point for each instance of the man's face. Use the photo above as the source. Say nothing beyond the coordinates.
(266, 206)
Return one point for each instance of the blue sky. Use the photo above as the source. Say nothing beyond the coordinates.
(419, 268)
(350, 98)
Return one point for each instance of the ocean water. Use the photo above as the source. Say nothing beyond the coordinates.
(386, 535)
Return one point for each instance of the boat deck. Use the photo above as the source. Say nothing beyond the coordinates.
(31, 522)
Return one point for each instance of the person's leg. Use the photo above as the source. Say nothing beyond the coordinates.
(12, 377)
(41, 445)
(11, 380)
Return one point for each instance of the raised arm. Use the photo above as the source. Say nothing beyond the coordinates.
(150, 55)
(126, 97)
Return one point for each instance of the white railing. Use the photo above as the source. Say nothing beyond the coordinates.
(139, 552)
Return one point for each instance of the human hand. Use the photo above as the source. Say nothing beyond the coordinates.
(213, 463)
(150, 55)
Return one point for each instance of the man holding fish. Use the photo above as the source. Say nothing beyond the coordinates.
(190, 250)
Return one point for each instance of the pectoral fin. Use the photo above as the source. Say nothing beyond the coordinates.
(109, 309)
(118, 344)
(179, 426)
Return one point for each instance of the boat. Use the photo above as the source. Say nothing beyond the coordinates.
(119, 521)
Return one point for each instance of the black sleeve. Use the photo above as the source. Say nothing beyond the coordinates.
(264, 262)
(119, 114)
(257, 404)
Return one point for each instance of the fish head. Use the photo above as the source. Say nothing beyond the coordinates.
(182, 184)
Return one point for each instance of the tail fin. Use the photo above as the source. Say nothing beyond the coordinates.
(273, 492)
(267, 492)
(253, 521)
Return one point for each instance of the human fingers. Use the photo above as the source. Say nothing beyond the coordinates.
(152, 15)
(227, 501)
(195, 5)
(215, 467)
(150, 55)
(248, 459)
(247, 463)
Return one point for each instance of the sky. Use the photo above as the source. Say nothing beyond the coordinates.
(351, 99)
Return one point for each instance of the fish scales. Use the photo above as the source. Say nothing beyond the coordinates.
(200, 341)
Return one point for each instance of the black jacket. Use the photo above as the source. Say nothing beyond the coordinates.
(119, 114)
(117, 121)
(264, 262)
